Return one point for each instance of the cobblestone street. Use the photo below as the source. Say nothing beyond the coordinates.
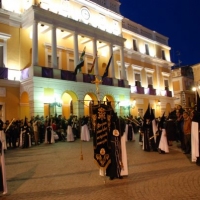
(55, 172)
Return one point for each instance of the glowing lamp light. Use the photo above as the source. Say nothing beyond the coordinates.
(133, 103)
(124, 103)
(194, 89)
(133, 89)
(146, 90)
(14, 75)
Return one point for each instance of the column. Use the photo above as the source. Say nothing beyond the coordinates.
(158, 76)
(112, 69)
(54, 63)
(76, 55)
(122, 63)
(96, 70)
(80, 109)
(35, 43)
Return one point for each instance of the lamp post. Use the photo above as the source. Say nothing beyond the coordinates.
(55, 104)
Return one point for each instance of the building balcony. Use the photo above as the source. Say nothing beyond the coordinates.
(52, 73)
(150, 91)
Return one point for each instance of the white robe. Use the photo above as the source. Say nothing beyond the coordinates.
(52, 136)
(3, 139)
(20, 140)
(2, 163)
(124, 170)
(163, 145)
(85, 134)
(70, 135)
(194, 141)
(155, 128)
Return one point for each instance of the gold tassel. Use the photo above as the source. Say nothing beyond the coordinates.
(81, 158)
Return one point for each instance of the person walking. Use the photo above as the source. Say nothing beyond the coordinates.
(187, 132)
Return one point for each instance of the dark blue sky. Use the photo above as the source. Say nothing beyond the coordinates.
(179, 20)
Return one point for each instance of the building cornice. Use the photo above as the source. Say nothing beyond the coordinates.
(145, 38)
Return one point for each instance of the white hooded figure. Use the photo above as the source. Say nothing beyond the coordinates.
(3, 183)
(163, 146)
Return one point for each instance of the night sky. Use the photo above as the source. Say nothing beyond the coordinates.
(179, 20)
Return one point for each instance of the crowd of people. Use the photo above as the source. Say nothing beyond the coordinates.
(154, 134)
(37, 130)
(24, 133)
(158, 134)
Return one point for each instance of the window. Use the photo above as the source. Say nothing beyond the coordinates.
(166, 84)
(147, 49)
(137, 80)
(137, 77)
(150, 81)
(49, 61)
(134, 45)
(163, 55)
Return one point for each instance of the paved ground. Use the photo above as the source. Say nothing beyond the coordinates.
(56, 172)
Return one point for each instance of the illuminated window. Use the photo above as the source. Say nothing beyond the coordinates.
(147, 49)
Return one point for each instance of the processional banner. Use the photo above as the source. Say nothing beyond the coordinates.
(101, 126)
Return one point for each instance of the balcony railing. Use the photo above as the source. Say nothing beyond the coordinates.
(150, 91)
(52, 73)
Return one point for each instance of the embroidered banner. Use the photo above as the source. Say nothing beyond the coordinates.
(101, 126)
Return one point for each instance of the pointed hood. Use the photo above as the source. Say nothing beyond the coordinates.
(152, 115)
(161, 122)
(147, 114)
(25, 122)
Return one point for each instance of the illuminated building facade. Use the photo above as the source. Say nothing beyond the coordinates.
(40, 45)
(183, 82)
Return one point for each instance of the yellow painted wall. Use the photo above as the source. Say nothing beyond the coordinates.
(11, 101)
(24, 106)
(176, 86)
(25, 48)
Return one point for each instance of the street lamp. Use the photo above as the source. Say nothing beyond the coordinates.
(55, 104)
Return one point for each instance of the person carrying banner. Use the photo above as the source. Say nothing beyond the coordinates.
(114, 169)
